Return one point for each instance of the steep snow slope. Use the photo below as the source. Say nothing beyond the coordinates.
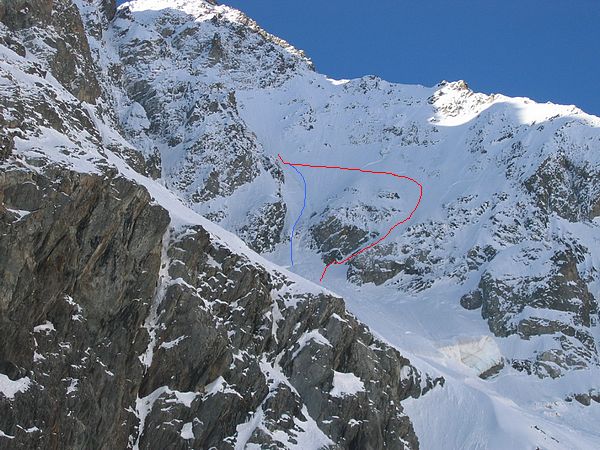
(495, 276)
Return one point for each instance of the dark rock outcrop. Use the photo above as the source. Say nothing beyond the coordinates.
(335, 239)
(109, 8)
(565, 188)
(59, 22)
(265, 227)
(558, 304)
(122, 331)
(79, 262)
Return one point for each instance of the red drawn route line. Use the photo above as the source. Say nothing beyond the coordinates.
(364, 249)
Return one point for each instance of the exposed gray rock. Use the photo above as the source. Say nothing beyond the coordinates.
(265, 227)
(492, 371)
(384, 262)
(109, 8)
(128, 333)
(79, 264)
(568, 189)
(585, 398)
(69, 61)
(336, 240)
(216, 53)
(521, 308)
(472, 300)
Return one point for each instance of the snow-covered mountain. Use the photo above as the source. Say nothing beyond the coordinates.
(491, 285)
(127, 320)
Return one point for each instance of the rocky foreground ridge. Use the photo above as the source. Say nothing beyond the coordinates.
(120, 330)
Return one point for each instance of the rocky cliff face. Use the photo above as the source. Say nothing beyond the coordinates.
(53, 31)
(128, 321)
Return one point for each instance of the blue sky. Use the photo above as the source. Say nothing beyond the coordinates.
(548, 50)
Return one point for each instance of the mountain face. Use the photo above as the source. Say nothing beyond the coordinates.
(130, 320)
(505, 180)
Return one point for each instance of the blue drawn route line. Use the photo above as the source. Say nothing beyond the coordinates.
(298, 219)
